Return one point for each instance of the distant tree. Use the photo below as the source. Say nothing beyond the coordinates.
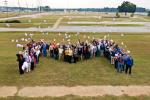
(47, 8)
(127, 7)
(44, 8)
(149, 13)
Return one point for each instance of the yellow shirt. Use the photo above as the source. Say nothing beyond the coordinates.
(66, 52)
(70, 52)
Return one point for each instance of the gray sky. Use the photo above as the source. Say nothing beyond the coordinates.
(75, 3)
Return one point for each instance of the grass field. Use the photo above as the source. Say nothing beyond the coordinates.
(70, 97)
(96, 71)
(26, 25)
(49, 20)
(12, 14)
(42, 21)
(121, 25)
(102, 18)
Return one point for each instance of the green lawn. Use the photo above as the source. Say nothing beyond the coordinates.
(12, 14)
(120, 25)
(70, 97)
(26, 25)
(42, 21)
(38, 20)
(90, 17)
(103, 19)
(136, 19)
(97, 71)
(97, 19)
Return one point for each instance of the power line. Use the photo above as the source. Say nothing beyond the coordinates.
(27, 6)
(19, 6)
(39, 5)
(6, 6)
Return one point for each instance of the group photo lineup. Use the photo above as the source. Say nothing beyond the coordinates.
(74, 50)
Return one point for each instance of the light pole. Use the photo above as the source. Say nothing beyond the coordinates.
(19, 6)
(68, 9)
(39, 4)
(6, 6)
(27, 7)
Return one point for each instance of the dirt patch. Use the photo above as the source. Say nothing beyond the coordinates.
(59, 91)
(7, 91)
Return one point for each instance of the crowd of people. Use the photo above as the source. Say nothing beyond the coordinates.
(73, 53)
(29, 57)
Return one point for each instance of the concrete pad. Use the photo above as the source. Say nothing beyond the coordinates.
(8, 91)
(58, 91)
(143, 29)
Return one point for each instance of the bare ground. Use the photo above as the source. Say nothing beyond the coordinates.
(58, 91)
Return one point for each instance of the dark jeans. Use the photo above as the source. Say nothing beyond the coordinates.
(20, 68)
(70, 59)
(37, 59)
(119, 67)
(51, 54)
(116, 64)
(32, 65)
(75, 59)
(56, 56)
(128, 67)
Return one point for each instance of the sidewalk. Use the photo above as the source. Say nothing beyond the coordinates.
(58, 91)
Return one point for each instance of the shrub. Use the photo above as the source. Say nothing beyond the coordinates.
(11, 21)
(148, 14)
(132, 15)
(117, 15)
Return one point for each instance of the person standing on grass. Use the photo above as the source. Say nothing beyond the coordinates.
(21, 60)
(37, 53)
(102, 47)
(75, 54)
(70, 55)
(91, 51)
(80, 51)
(66, 52)
(51, 50)
(120, 64)
(44, 49)
(98, 49)
(124, 56)
(56, 52)
(60, 50)
(129, 64)
(116, 60)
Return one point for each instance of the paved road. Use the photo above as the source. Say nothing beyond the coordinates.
(57, 22)
(79, 29)
(102, 29)
(108, 23)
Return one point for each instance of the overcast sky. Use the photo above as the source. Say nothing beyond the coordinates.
(75, 3)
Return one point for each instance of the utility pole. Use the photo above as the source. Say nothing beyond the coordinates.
(19, 6)
(27, 7)
(6, 6)
(39, 6)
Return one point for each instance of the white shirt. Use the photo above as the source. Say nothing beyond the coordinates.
(60, 50)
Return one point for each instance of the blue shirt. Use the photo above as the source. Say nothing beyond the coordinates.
(129, 61)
